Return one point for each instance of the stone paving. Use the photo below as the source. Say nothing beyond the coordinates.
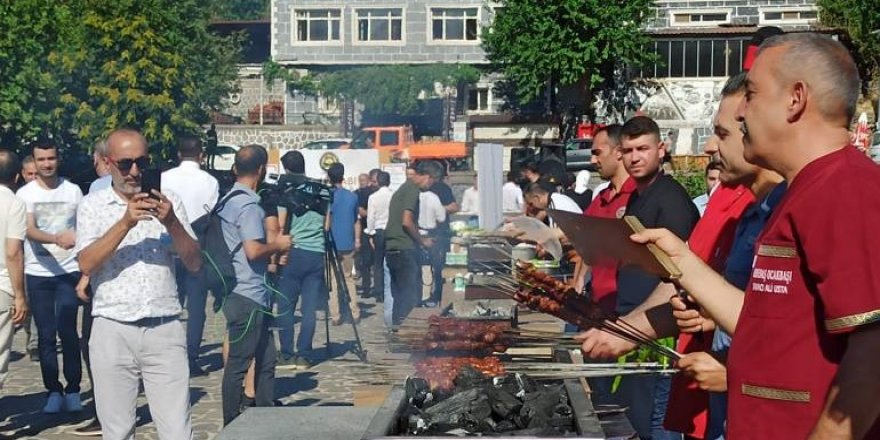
(328, 383)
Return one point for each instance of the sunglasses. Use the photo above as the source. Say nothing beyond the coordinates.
(125, 165)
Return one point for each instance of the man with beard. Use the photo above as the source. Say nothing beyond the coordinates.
(125, 242)
(803, 364)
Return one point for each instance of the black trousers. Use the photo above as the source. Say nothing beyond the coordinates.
(364, 262)
(378, 264)
(406, 287)
(437, 253)
(249, 338)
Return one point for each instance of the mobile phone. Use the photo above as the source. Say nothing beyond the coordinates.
(151, 179)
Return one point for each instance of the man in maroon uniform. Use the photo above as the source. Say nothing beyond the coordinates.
(803, 363)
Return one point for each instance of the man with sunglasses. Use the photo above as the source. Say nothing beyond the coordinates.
(125, 242)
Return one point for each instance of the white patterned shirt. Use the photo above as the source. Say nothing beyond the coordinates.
(137, 281)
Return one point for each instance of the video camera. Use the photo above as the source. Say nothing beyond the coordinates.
(299, 194)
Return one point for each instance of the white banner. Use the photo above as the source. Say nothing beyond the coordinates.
(356, 162)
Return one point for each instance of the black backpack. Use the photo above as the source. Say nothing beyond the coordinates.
(218, 274)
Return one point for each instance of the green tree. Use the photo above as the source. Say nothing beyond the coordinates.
(29, 86)
(384, 89)
(566, 42)
(241, 9)
(147, 64)
(861, 21)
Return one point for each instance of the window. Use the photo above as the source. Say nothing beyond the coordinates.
(479, 100)
(790, 16)
(389, 138)
(702, 58)
(379, 24)
(317, 25)
(699, 18)
(454, 24)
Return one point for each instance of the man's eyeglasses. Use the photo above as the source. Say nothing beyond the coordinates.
(125, 165)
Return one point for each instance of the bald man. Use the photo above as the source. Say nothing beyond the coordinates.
(125, 243)
(804, 359)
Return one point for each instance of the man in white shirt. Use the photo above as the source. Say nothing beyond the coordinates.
(712, 176)
(51, 275)
(125, 243)
(470, 200)
(431, 214)
(377, 219)
(104, 179)
(511, 195)
(198, 191)
(13, 227)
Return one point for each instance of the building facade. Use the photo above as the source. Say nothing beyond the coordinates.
(699, 45)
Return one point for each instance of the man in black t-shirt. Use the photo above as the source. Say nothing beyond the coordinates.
(442, 236)
(658, 202)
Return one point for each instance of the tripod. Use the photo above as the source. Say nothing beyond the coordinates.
(333, 271)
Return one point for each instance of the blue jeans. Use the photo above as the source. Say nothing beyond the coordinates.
(54, 306)
(302, 277)
(194, 297)
(388, 300)
(438, 262)
(661, 401)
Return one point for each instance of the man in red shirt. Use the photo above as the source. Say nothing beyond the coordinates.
(609, 203)
(803, 363)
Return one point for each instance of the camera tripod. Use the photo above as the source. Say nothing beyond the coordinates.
(333, 271)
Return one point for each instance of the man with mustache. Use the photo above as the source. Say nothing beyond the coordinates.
(125, 243)
(803, 360)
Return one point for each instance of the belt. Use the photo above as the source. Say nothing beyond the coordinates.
(153, 322)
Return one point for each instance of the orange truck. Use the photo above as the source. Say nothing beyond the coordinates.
(396, 143)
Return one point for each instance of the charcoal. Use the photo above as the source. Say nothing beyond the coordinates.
(526, 384)
(468, 377)
(418, 391)
(505, 426)
(503, 403)
(468, 410)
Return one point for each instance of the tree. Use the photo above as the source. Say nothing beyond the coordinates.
(384, 89)
(241, 9)
(146, 64)
(861, 21)
(566, 42)
(29, 87)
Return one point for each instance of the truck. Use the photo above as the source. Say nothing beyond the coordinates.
(397, 144)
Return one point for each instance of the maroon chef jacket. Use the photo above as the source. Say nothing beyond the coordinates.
(816, 279)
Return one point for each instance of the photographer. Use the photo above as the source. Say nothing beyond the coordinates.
(304, 214)
(402, 239)
(247, 306)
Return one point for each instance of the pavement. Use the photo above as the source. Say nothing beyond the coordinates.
(328, 383)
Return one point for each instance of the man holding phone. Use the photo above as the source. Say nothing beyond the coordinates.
(125, 243)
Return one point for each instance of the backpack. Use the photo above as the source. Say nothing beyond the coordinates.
(218, 273)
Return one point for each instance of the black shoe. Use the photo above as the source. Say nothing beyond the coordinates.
(196, 371)
(429, 304)
(34, 354)
(93, 429)
(247, 402)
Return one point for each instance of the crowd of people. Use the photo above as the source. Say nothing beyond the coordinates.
(774, 313)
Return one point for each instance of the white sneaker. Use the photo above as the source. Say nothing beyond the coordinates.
(53, 404)
(72, 402)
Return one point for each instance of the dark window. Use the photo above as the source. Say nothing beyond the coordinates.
(705, 58)
(691, 58)
(388, 138)
(662, 59)
(773, 16)
(676, 59)
(318, 24)
(454, 24)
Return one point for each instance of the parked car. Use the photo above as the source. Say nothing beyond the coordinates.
(578, 153)
(327, 144)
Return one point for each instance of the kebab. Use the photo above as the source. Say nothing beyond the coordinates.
(440, 372)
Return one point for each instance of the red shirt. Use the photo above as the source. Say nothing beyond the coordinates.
(814, 281)
(711, 239)
(608, 204)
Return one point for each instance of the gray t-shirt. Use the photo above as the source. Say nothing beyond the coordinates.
(243, 220)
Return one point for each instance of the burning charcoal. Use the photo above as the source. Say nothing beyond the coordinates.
(469, 377)
(503, 403)
(463, 410)
(418, 392)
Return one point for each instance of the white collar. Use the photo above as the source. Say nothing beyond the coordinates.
(190, 164)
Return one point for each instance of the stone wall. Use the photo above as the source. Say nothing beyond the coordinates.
(272, 137)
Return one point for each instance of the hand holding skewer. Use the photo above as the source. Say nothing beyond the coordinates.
(689, 319)
(707, 369)
(598, 344)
